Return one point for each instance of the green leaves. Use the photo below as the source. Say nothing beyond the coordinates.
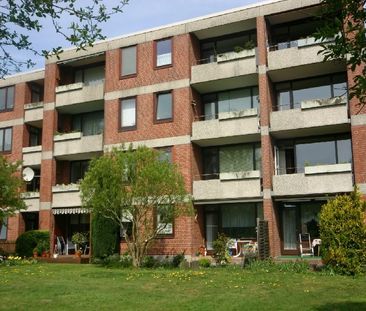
(344, 20)
(17, 18)
(10, 186)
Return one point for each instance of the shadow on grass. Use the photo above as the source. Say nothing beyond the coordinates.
(343, 306)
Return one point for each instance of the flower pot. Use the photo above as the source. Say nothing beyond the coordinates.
(35, 254)
(78, 254)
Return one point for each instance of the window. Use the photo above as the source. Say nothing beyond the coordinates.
(128, 113)
(235, 220)
(231, 159)
(228, 101)
(35, 184)
(6, 139)
(165, 154)
(35, 136)
(164, 52)
(128, 61)
(291, 94)
(294, 156)
(36, 93)
(212, 47)
(164, 221)
(90, 75)
(6, 98)
(4, 229)
(164, 107)
(78, 170)
(91, 123)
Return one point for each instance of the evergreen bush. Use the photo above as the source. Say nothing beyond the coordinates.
(105, 237)
(343, 233)
(27, 241)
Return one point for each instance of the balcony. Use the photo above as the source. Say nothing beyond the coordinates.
(66, 196)
(75, 146)
(71, 94)
(314, 117)
(237, 185)
(316, 180)
(31, 200)
(33, 112)
(230, 128)
(230, 66)
(32, 156)
(283, 63)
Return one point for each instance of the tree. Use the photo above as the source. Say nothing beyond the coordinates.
(10, 185)
(132, 188)
(343, 233)
(344, 20)
(18, 18)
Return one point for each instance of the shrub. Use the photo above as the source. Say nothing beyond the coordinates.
(343, 233)
(27, 241)
(105, 237)
(42, 246)
(16, 261)
(177, 260)
(220, 249)
(115, 261)
(204, 262)
(150, 262)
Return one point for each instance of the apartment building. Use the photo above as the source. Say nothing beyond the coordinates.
(241, 101)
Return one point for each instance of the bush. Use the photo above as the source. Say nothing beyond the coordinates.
(16, 261)
(220, 249)
(105, 237)
(27, 241)
(150, 262)
(343, 233)
(177, 260)
(204, 262)
(115, 261)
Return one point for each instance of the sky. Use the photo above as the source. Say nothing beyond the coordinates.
(138, 15)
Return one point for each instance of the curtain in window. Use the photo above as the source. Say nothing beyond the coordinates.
(238, 215)
(128, 112)
(236, 158)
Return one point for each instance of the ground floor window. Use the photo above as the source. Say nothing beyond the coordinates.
(236, 220)
(4, 229)
(296, 218)
(31, 220)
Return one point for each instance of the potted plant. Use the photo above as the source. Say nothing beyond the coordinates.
(80, 239)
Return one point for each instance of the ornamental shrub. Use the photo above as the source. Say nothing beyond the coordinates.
(27, 241)
(105, 237)
(220, 249)
(343, 233)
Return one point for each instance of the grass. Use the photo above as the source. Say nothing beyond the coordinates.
(90, 287)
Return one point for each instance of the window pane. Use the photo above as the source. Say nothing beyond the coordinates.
(209, 103)
(94, 75)
(164, 107)
(210, 163)
(224, 102)
(76, 123)
(258, 158)
(315, 153)
(129, 61)
(1, 140)
(240, 100)
(75, 175)
(318, 88)
(165, 154)
(238, 215)
(340, 85)
(344, 149)
(283, 96)
(255, 93)
(7, 139)
(236, 158)
(128, 116)
(4, 228)
(10, 98)
(92, 123)
(2, 98)
(164, 52)
(78, 76)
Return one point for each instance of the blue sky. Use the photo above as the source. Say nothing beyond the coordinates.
(139, 15)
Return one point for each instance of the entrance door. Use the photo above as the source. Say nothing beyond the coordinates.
(289, 229)
(211, 228)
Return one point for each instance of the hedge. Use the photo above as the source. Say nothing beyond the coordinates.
(105, 237)
(27, 241)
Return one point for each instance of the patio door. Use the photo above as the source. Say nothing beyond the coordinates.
(212, 226)
(289, 229)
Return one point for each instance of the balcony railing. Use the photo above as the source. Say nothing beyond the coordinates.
(66, 195)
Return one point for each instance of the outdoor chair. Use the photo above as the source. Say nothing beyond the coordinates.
(306, 247)
(61, 245)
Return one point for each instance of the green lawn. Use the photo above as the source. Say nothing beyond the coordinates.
(89, 287)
